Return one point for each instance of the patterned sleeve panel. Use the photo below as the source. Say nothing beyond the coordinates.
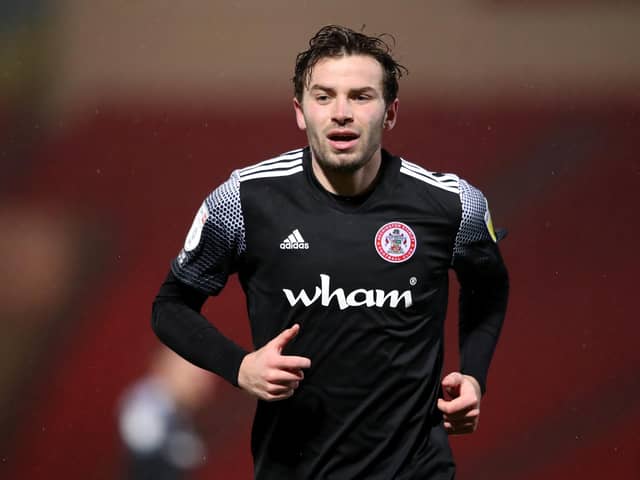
(215, 241)
(475, 224)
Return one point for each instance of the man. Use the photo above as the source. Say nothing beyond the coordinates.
(343, 252)
(156, 419)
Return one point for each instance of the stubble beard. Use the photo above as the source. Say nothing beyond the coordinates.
(339, 167)
(332, 162)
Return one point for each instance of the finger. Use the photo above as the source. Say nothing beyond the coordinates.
(285, 337)
(281, 377)
(465, 414)
(458, 404)
(449, 393)
(463, 423)
(456, 429)
(449, 407)
(278, 390)
(452, 381)
(280, 396)
(298, 372)
(291, 362)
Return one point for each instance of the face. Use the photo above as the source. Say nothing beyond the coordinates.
(343, 112)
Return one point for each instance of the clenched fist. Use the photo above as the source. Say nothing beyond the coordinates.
(268, 374)
(461, 406)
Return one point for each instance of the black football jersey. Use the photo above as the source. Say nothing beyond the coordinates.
(367, 280)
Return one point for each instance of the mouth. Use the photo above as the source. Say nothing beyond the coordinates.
(342, 139)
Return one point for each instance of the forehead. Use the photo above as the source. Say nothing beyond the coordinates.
(347, 71)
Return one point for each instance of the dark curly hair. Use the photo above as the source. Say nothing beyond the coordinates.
(338, 41)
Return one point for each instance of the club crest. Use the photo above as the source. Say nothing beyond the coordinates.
(395, 242)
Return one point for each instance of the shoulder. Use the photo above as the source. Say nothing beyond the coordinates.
(227, 194)
(476, 224)
(283, 165)
(469, 198)
(459, 197)
(438, 193)
(472, 200)
(447, 182)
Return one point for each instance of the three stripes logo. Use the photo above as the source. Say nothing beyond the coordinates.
(294, 242)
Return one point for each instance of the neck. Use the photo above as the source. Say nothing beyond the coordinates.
(346, 183)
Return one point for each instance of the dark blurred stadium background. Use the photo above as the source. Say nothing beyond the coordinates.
(117, 117)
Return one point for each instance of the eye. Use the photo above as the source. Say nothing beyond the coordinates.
(363, 97)
(322, 98)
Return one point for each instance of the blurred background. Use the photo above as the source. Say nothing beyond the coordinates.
(118, 117)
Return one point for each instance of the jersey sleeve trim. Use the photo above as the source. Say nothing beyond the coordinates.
(215, 241)
(445, 181)
(286, 164)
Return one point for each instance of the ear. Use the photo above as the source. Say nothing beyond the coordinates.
(391, 115)
(302, 124)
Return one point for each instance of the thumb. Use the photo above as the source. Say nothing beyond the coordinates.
(451, 383)
(285, 337)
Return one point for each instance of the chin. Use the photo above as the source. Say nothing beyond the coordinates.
(339, 164)
(349, 167)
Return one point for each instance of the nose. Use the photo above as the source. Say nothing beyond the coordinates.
(342, 111)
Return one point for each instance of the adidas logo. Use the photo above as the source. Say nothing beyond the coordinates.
(294, 242)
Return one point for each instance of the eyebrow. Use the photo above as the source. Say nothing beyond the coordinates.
(366, 89)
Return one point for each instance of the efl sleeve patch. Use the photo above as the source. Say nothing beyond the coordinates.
(488, 222)
(195, 232)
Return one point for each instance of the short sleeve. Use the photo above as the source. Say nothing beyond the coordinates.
(215, 240)
(475, 224)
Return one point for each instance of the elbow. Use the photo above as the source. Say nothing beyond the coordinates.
(156, 317)
(504, 284)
